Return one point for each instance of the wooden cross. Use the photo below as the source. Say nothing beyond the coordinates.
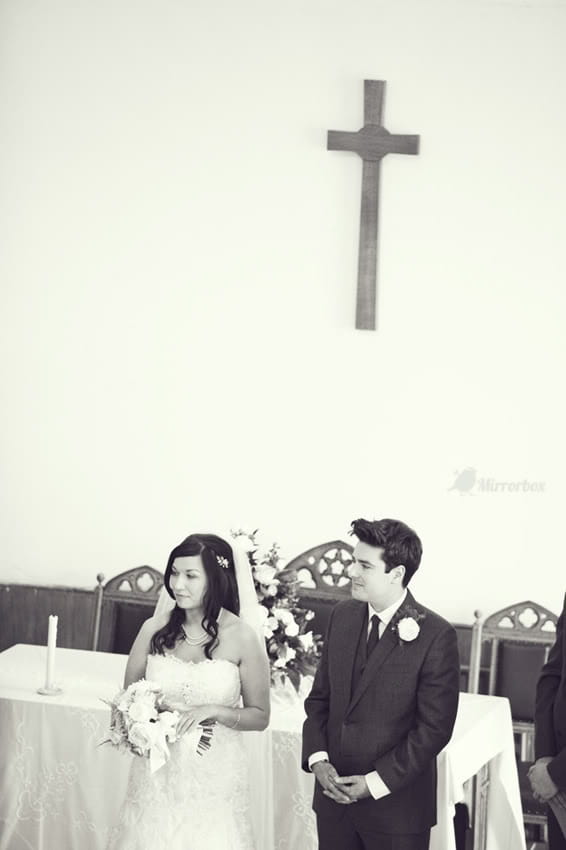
(372, 143)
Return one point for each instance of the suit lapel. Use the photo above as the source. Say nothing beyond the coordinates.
(387, 643)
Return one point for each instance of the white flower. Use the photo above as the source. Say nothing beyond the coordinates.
(284, 616)
(265, 574)
(140, 689)
(168, 721)
(245, 542)
(272, 623)
(306, 640)
(292, 629)
(286, 653)
(140, 736)
(408, 628)
(141, 711)
(272, 590)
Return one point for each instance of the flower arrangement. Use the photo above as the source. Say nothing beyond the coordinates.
(142, 725)
(292, 649)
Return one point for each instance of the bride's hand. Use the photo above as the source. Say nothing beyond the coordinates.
(194, 715)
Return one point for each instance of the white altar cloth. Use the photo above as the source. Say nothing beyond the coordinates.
(58, 789)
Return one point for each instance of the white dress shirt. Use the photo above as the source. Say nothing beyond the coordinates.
(375, 783)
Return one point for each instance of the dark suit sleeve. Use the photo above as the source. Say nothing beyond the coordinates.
(548, 685)
(547, 688)
(436, 708)
(317, 706)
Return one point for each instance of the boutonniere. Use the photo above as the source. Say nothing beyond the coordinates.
(406, 624)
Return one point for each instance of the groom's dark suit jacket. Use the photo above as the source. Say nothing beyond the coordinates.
(396, 719)
(550, 712)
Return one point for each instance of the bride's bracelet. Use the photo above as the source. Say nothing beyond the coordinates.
(236, 723)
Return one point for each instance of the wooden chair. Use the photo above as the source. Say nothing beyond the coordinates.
(122, 604)
(323, 580)
(520, 637)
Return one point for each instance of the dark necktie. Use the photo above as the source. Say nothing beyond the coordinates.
(373, 637)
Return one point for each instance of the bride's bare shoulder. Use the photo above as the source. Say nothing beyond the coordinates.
(237, 630)
(228, 620)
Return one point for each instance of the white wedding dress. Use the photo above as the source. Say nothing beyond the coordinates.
(193, 802)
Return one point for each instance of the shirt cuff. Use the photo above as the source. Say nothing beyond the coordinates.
(321, 755)
(376, 785)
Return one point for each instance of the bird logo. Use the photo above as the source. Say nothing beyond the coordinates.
(464, 481)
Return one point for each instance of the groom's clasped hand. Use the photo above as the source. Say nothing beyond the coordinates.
(341, 789)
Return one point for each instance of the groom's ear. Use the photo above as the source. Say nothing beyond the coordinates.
(399, 572)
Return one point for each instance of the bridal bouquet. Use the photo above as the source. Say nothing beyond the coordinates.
(140, 724)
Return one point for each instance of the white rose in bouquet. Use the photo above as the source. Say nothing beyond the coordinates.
(168, 721)
(141, 687)
(142, 711)
(292, 629)
(123, 705)
(140, 736)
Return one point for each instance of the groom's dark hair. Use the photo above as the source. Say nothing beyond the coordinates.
(400, 544)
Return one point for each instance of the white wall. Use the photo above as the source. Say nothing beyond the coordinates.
(178, 265)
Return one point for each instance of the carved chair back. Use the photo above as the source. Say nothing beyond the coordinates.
(122, 604)
(323, 579)
(520, 637)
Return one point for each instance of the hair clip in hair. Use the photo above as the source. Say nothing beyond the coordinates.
(222, 562)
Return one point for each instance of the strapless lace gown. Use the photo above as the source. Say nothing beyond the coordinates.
(193, 802)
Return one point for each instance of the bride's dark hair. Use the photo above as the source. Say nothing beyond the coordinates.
(221, 590)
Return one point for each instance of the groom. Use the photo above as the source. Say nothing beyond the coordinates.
(383, 702)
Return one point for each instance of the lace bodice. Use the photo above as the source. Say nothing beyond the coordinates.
(215, 680)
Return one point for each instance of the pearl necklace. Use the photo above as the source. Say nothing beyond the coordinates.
(200, 640)
(195, 641)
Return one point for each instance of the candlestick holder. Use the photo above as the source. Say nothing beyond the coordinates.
(50, 692)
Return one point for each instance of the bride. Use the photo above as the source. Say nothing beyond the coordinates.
(211, 666)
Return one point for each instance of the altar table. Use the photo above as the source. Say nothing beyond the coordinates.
(59, 789)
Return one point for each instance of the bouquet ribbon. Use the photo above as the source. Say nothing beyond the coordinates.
(158, 755)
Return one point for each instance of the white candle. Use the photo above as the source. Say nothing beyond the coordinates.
(51, 642)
